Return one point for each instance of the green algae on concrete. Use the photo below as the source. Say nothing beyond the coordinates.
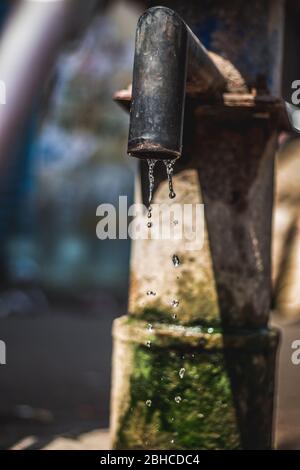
(191, 387)
(198, 304)
(166, 411)
(179, 395)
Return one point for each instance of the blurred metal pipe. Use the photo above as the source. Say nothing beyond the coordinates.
(30, 42)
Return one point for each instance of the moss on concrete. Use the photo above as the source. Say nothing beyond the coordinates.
(198, 300)
(213, 365)
(197, 296)
(197, 305)
(166, 411)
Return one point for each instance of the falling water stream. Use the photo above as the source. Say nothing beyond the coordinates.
(170, 170)
(151, 165)
(169, 164)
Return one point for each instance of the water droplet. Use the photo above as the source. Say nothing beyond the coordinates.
(149, 403)
(175, 260)
(150, 292)
(174, 316)
(149, 327)
(210, 330)
(175, 303)
(178, 399)
(172, 441)
(182, 372)
(148, 344)
(170, 169)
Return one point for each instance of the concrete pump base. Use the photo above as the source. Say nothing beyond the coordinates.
(178, 387)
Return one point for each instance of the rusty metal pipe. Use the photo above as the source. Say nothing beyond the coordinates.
(169, 60)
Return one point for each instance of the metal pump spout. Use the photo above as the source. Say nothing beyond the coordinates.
(169, 61)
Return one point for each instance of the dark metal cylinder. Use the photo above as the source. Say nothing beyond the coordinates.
(168, 56)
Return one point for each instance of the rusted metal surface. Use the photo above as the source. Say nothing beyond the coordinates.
(234, 106)
(248, 34)
(236, 164)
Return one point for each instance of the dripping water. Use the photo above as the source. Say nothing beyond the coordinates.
(170, 170)
(151, 165)
(169, 164)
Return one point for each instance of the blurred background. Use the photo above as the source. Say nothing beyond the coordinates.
(62, 153)
(60, 286)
